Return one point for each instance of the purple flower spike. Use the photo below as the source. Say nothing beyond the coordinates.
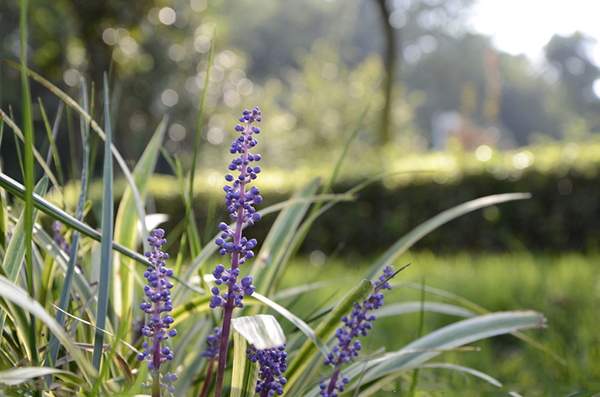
(272, 364)
(357, 324)
(157, 305)
(240, 200)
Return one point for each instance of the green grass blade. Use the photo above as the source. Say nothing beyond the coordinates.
(66, 290)
(16, 376)
(340, 160)
(19, 297)
(20, 157)
(51, 133)
(200, 121)
(450, 337)
(291, 317)
(107, 234)
(126, 231)
(196, 340)
(28, 167)
(469, 371)
(396, 309)
(38, 157)
(440, 219)
(478, 309)
(13, 257)
(267, 264)
(316, 211)
(244, 372)
(324, 331)
(195, 306)
(3, 223)
(56, 213)
(82, 287)
(191, 228)
(415, 375)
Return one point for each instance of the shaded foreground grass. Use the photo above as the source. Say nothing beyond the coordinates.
(566, 288)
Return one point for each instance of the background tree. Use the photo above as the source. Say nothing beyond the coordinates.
(577, 71)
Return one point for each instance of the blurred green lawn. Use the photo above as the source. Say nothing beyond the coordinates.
(566, 288)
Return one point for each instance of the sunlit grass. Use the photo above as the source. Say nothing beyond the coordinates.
(566, 288)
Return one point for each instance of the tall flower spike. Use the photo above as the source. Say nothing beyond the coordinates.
(240, 200)
(357, 324)
(272, 364)
(157, 305)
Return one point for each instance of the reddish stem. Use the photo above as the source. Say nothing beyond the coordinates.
(235, 257)
(207, 379)
(333, 381)
(156, 354)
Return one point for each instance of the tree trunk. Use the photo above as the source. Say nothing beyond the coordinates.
(390, 60)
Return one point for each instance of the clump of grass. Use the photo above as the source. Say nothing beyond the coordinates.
(91, 307)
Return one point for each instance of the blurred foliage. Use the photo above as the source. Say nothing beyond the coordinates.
(527, 104)
(314, 66)
(570, 55)
(562, 214)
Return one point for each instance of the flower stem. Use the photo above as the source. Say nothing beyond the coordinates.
(155, 384)
(333, 381)
(229, 305)
(207, 379)
(228, 313)
(223, 347)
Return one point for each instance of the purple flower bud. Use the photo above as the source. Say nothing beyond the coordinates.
(212, 344)
(215, 301)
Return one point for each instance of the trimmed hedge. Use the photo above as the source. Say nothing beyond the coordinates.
(564, 213)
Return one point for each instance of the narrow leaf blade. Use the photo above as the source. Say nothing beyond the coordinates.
(107, 234)
(440, 219)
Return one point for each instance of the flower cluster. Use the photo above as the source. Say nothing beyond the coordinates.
(357, 324)
(272, 364)
(226, 240)
(236, 291)
(157, 304)
(240, 201)
(212, 344)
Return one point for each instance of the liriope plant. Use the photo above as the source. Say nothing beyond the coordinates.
(71, 316)
(308, 349)
(264, 367)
